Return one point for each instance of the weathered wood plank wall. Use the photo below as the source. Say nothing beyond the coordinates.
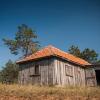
(27, 72)
(76, 73)
(90, 77)
(56, 71)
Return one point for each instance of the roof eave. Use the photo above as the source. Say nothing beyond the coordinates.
(83, 65)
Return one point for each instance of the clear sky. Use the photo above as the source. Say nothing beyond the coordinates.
(61, 23)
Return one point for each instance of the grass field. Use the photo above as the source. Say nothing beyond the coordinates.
(17, 92)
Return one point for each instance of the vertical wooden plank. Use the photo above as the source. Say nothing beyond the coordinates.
(55, 72)
(44, 72)
(50, 71)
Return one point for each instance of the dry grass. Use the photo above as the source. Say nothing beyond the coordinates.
(17, 92)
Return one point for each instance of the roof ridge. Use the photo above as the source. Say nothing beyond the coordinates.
(68, 54)
(53, 51)
(50, 47)
(39, 50)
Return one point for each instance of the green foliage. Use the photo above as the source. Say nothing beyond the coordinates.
(98, 62)
(87, 54)
(23, 41)
(9, 73)
(0, 77)
(75, 51)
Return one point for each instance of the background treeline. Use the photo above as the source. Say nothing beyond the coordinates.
(87, 54)
(9, 73)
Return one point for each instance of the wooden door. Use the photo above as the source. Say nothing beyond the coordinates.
(90, 77)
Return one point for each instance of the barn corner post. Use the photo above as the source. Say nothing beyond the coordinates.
(18, 78)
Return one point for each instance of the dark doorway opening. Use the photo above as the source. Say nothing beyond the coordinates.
(98, 76)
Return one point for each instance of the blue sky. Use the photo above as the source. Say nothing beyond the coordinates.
(61, 23)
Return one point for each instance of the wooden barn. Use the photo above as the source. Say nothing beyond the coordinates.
(51, 66)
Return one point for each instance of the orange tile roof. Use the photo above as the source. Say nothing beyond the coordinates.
(52, 51)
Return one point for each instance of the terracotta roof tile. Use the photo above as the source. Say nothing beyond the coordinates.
(52, 51)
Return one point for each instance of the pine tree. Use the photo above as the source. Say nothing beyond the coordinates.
(24, 41)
